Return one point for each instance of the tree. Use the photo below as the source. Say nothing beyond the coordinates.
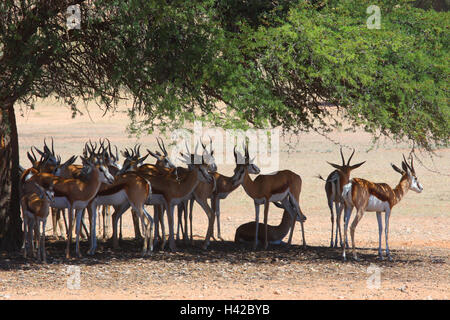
(272, 63)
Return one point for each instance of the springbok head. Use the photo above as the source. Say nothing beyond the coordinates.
(162, 159)
(409, 172)
(346, 168)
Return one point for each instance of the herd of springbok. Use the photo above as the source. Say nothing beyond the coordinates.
(101, 182)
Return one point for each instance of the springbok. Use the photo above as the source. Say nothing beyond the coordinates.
(35, 206)
(377, 197)
(275, 234)
(333, 188)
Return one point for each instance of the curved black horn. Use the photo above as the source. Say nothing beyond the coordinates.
(53, 149)
(348, 162)
(407, 164)
(342, 156)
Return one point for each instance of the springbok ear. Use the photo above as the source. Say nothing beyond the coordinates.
(335, 165)
(397, 169)
(153, 154)
(357, 165)
(143, 158)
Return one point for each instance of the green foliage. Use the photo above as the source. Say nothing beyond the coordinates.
(237, 64)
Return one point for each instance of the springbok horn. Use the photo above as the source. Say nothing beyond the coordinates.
(348, 162)
(342, 156)
(53, 149)
(406, 162)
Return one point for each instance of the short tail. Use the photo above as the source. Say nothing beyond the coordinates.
(320, 177)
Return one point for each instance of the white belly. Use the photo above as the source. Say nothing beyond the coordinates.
(279, 196)
(376, 204)
(60, 203)
(113, 199)
(155, 199)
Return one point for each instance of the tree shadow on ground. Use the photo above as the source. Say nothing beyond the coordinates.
(218, 252)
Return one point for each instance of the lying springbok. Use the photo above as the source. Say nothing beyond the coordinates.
(333, 188)
(275, 234)
(378, 197)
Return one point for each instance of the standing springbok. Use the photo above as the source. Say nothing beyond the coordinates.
(378, 197)
(35, 207)
(333, 188)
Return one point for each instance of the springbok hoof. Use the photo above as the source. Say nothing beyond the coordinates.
(380, 257)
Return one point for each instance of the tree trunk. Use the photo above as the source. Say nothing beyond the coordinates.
(10, 219)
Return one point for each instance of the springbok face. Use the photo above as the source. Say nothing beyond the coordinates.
(408, 170)
(243, 163)
(203, 174)
(48, 193)
(414, 185)
(105, 176)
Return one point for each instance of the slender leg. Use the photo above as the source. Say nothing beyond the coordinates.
(266, 217)
(54, 222)
(92, 210)
(170, 209)
(211, 216)
(137, 232)
(120, 228)
(149, 229)
(358, 217)
(118, 211)
(69, 232)
(31, 235)
(255, 244)
(186, 222)
(337, 233)
(39, 240)
(66, 225)
(180, 220)
(217, 206)
(185, 217)
(84, 230)
(191, 208)
(330, 205)
(348, 211)
(380, 231)
(140, 215)
(44, 254)
(25, 233)
(386, 230)
(61, 218)
(156, 215)
(79, 217)
(163, 226)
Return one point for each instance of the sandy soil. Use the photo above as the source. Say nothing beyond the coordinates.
(419, 232)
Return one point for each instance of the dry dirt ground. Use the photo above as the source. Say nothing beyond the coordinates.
(419, 232)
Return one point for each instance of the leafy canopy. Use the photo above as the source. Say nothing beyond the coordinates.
(237, 63)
